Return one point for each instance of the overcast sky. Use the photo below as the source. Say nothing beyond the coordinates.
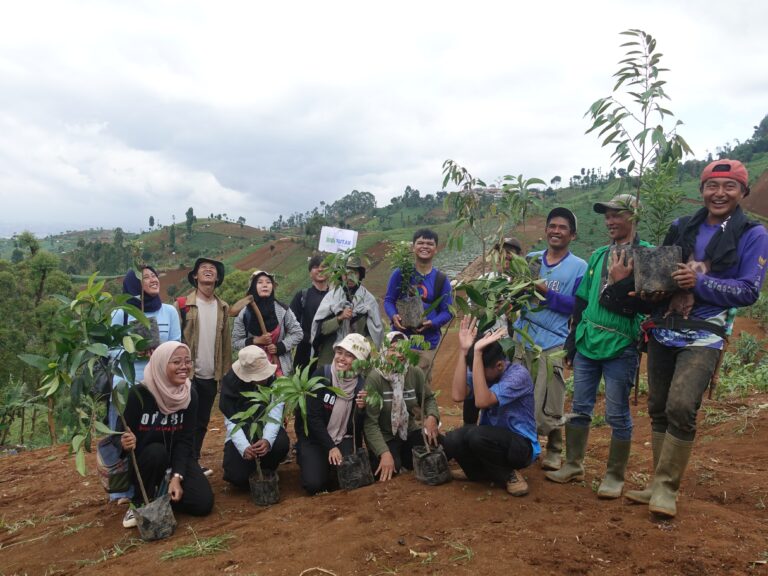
(112, 111)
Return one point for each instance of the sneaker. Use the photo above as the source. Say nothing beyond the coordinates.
(129, 520)
(123, 501)
(206, 471)
(516, 485)
(459, 475)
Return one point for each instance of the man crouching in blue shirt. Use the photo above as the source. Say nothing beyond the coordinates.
(505, 441)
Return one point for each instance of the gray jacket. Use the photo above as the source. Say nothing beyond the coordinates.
(290, 335)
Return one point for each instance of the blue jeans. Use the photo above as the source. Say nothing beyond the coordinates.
(619, 376)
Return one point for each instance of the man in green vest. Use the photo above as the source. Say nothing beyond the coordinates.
(602, 344)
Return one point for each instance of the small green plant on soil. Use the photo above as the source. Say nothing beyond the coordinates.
(758, 311)
(115, 551)
(199, 547)
(78, 527)
(465, 553)
(747, 348)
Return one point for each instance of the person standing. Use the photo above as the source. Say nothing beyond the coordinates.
(602, 344)
(205, 329)
(431, 284)
(304, 306)
(724, 258)
(547, 325)
(267, 323)
(505, 440)
(347, 309)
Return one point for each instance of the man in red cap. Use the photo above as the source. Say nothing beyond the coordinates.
(724, 258)
(205, 329)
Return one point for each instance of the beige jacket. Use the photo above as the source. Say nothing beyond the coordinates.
(223, 354)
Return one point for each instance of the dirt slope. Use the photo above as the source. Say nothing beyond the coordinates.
(55, 522)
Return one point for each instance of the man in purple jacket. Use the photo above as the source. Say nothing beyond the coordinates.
(431, 284)
(724, 257)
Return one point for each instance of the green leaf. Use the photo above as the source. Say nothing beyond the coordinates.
(80, 461)
(39, 362)
(98, 349)
(102, 428)
(77, 442)
(129, 344)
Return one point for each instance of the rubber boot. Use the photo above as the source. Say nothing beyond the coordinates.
(644, 496)
(575, 447)
(672, 464)
(552, 459)
(613, 482)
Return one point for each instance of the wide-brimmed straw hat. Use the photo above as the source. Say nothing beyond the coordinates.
(252, 365)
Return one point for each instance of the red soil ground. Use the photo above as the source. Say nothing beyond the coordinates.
(52, 521)
(55, 522)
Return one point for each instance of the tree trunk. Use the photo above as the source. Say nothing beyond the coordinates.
(21, 430)
(52, 423)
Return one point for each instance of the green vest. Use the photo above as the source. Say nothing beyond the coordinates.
(602, 334)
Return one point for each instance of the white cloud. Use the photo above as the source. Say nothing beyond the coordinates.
(261, 109)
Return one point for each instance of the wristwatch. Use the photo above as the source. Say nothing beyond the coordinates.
(179, 476)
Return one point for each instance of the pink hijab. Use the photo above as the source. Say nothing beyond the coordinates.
(169, 398)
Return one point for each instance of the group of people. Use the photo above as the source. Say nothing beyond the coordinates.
(589, 318)
(330, 326)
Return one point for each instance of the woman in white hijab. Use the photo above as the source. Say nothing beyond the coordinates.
(330, 417)
(160, 418)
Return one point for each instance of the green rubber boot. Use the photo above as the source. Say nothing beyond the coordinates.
(575, 447)
(552, 458)
(613, 482)
(644, 496)
(672, 464)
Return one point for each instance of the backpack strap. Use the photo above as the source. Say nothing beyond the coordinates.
(181, 302)
(440, 280)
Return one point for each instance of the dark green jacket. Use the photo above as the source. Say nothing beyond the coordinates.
(378, 421)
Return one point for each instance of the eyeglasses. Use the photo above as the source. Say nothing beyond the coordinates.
(730, 186)
(179, 362)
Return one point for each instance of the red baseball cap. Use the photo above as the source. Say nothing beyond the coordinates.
(725, 168)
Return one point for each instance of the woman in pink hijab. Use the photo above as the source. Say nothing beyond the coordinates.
(160, 417)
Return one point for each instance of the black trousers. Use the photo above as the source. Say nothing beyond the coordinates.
(487, 452)
(470, 412)
(317, 474)
(197, 497)
(401, 451)
(237, 469)
(206, 395)
(303, 356)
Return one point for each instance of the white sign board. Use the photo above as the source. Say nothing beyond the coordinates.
(336, 239)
